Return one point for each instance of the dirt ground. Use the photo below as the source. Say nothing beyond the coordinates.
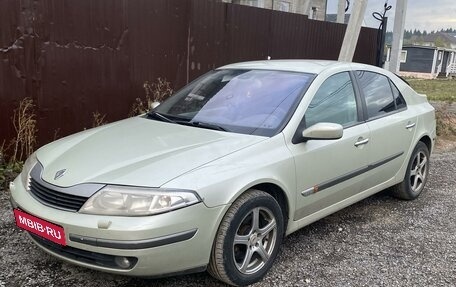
(380, 241)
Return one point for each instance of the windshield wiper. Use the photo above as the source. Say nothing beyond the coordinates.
(203, 125)
(159, 116)
(209, 126)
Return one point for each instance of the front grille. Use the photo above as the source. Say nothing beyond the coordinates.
(56, 199)
(94, 258)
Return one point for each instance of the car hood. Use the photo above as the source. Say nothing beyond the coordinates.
(136, 151)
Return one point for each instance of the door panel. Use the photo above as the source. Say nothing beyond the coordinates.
(391, 137)
(328, 170)
(391, 125)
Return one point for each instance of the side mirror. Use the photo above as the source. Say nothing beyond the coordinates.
(323, 131)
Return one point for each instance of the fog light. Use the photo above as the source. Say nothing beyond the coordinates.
(122, 262)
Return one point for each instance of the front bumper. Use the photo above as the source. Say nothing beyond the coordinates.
(168, 243)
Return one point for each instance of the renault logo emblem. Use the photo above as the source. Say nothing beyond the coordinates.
(59, 174)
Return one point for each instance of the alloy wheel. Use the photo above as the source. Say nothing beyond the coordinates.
(255, 240)
(418, 172)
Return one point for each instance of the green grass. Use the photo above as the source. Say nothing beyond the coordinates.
(436, 90)
(8, 171)
(442, 90)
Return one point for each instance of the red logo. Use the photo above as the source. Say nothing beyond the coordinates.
(40, 227)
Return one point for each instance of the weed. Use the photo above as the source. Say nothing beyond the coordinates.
(139, 107)
(56, 134)
(98, 119)
(24, 122)
(154, 92)
(158, 91)
(22, 145)
(8, 171)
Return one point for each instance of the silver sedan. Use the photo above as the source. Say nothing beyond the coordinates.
(214, 177)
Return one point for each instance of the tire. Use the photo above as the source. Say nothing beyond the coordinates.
(248, 260)
(416, 176)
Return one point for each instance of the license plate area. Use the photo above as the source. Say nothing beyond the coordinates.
(40, 227)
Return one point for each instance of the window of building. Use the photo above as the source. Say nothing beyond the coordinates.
(314, 13)
(284, 6)
(256, 3)
(403, 56)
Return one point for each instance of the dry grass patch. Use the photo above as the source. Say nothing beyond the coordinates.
(157, 91)
(446, 128)
(22, 145)
(436, 90)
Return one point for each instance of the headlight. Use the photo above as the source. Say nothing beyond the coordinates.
(137, 201)
(25, 174)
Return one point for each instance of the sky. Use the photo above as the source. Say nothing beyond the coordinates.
(426, 15)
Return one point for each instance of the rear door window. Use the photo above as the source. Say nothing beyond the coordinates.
(377, 93)
(398, 98)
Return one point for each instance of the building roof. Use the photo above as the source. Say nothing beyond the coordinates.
(418, 46)
(427, 47)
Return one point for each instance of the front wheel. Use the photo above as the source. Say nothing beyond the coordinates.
(416, 175)
(248, 239)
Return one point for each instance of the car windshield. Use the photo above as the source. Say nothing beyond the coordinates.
(257, 102)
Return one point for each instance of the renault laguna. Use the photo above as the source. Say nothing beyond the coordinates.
(214, 177)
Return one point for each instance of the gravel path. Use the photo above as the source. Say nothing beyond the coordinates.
(449, 106)
(377, 242)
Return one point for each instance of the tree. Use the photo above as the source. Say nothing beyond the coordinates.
(440, 42)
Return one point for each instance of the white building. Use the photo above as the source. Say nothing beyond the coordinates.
(315, 9)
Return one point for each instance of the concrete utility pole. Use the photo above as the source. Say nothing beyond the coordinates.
(398, 35)
(352, 33)
(341, 12)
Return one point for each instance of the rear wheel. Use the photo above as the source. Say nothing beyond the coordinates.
(248, 239)
(416, 175)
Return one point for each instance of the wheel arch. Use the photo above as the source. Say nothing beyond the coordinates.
(427, 141)
(424, 138)
(220, 266)
(278, 193)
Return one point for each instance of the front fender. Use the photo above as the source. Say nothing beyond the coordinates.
(222, 181)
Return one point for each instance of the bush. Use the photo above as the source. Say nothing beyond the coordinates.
(154, 92)
(21, 146)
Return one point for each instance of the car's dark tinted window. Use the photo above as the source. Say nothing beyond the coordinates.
(334, 102)
(377, 92)
(400, 102)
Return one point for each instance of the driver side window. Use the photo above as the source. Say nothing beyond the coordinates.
(334, 102)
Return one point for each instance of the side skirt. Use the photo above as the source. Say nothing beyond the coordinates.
(298, 224)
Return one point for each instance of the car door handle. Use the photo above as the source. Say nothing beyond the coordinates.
(410, 125)
(361, 141)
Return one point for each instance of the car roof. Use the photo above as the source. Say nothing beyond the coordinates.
(303, 66)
